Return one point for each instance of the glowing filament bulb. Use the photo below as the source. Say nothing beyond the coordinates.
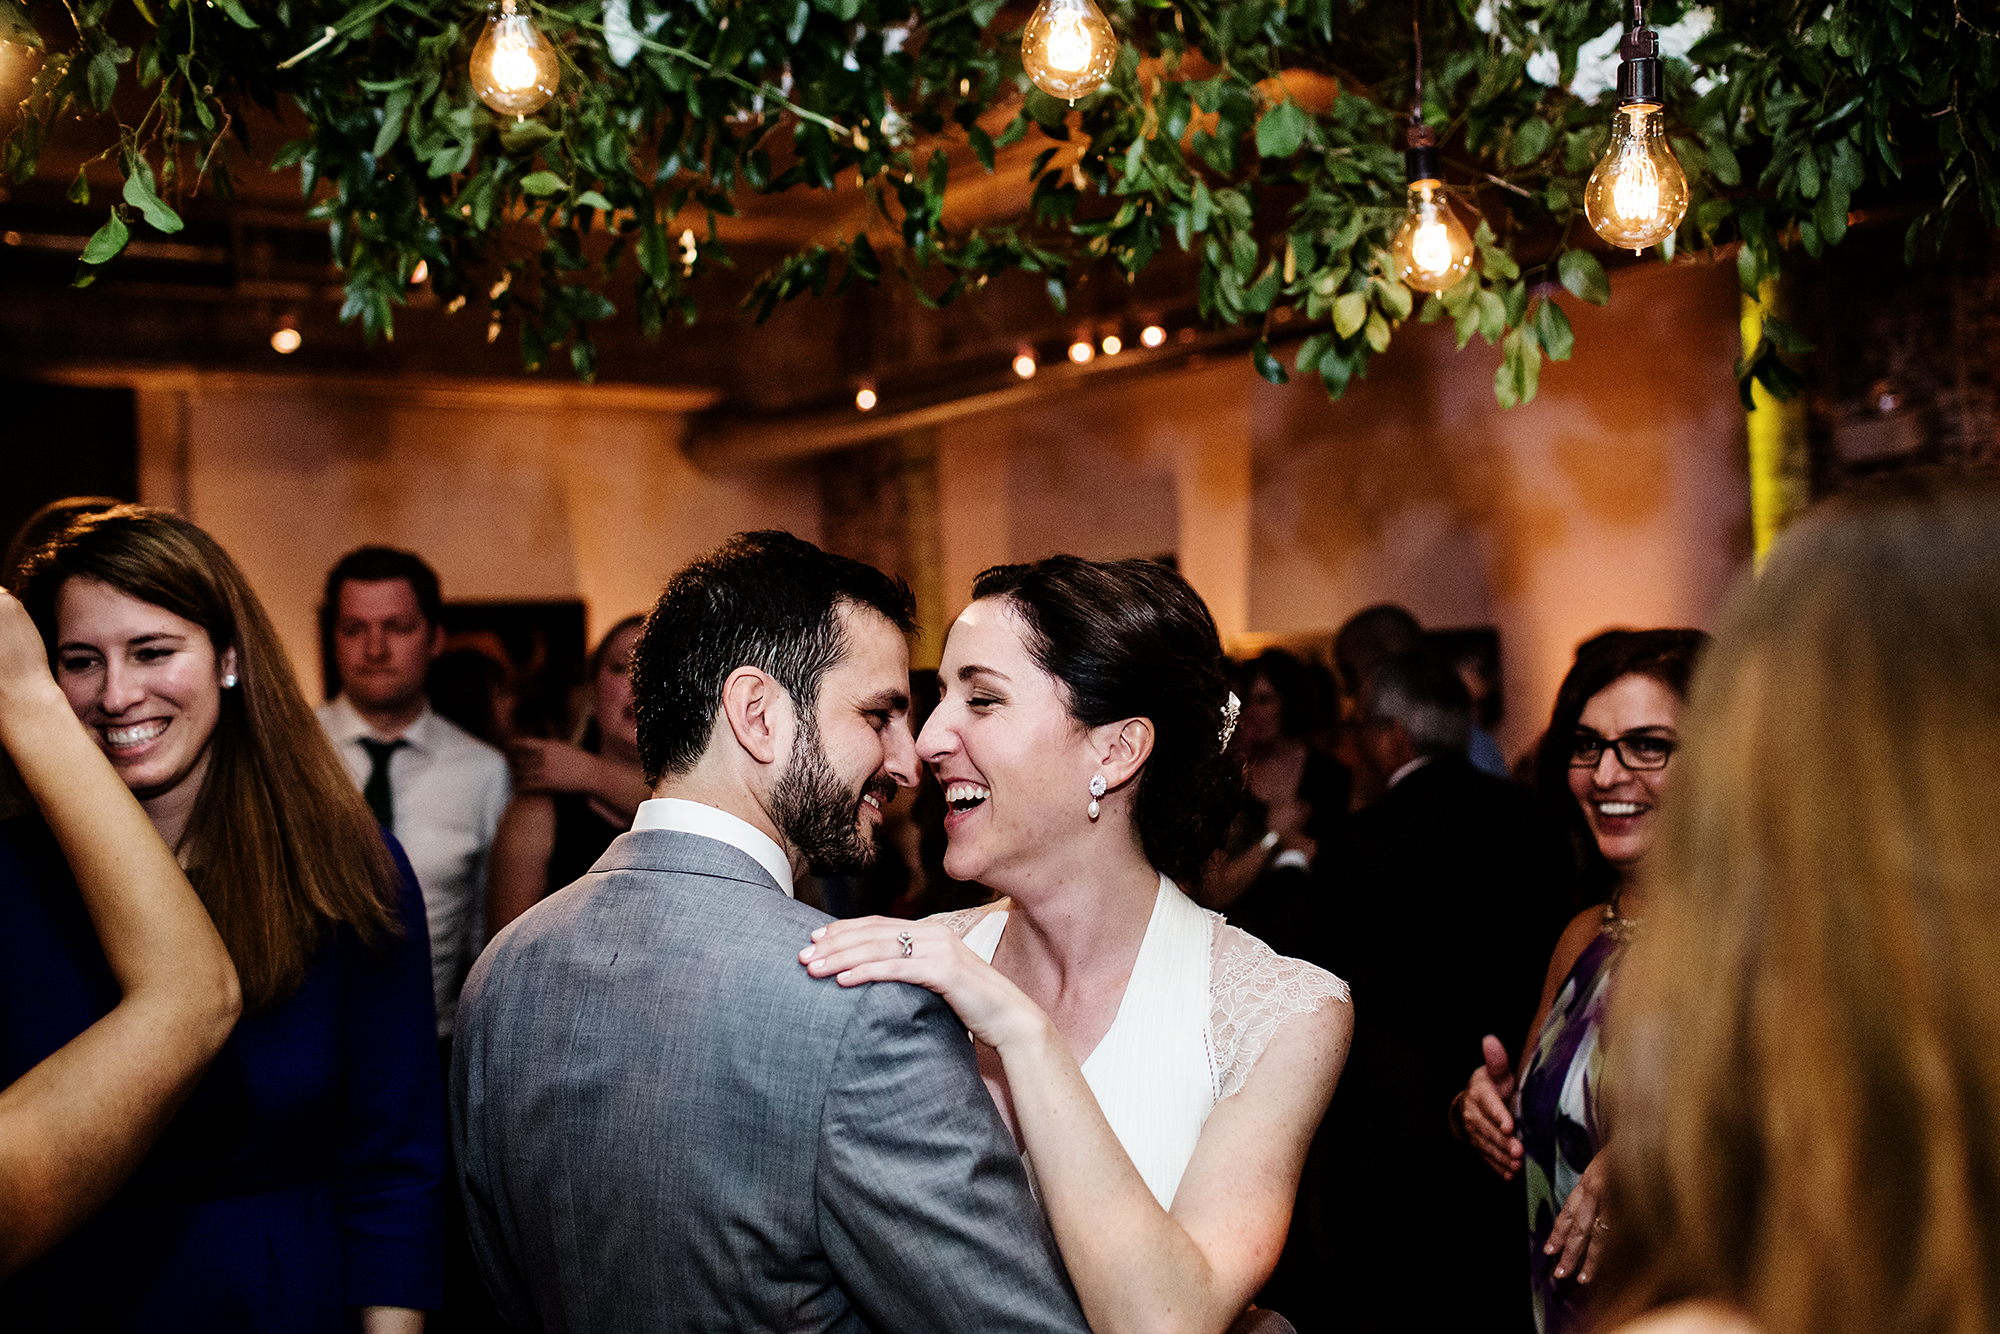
(1638, 194)
(513, 66)
(1432, 249)
(1067, 48)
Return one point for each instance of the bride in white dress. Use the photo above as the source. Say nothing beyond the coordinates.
(1162, 1071)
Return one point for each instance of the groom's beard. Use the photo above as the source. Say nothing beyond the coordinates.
(821, 815)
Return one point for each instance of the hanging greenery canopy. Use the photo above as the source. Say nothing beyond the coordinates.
(1264, 136)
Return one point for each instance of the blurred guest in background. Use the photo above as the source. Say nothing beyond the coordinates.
(73, 1127)
(570, 801)
(1609, 746)
(432, 784)
(1297, 793)
(472, 685)
(1467, 874)
(1803, 1052)
(1369, 638)
(299, 1186)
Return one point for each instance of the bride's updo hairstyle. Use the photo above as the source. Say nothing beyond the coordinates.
(1130, 639)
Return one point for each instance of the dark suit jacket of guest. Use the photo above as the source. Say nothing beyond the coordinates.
(664, 1123)
(1446, 896)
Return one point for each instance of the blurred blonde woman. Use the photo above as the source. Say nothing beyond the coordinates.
(1806, 1040)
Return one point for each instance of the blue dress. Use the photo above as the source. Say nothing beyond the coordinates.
(302, 1179)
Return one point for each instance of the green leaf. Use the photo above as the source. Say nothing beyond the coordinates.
(522, 137)
(139, 193)
(79, 191)
(107, 241)
(1267, 365)
(1350, 312)
(1492, 315)
(1808, 174)
(1311, 351)
(392, 121)
(1531, 140)
(541, 183)
(1785, 338)
(1722, 162)
(1281, 130)
(592, 199)
(1584, 276)
(1552, 330)
(235, 10)
(101, 75)
(1519, 375)
(1376, 331)
(17, 27)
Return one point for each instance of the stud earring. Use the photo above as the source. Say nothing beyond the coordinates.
(229, 681)
(1096, 791)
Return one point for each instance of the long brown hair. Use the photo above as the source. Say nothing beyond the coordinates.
(280, 845)
(1806, 1038)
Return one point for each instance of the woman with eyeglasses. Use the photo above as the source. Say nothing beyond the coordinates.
(1607, 758)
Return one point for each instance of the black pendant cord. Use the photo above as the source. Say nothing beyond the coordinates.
(1420, 155)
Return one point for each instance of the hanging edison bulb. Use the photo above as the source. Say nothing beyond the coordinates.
(1067, 48)
(1432, 248)
(513, 65)
(1638, 193)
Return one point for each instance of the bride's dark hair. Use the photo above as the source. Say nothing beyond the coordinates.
(1130, 639)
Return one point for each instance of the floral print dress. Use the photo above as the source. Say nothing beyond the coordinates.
(1559, 1121)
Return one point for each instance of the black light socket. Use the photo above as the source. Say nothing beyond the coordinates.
(1639, 69)
(1420, 158)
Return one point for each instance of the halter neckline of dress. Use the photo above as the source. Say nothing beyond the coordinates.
(1153, 1071)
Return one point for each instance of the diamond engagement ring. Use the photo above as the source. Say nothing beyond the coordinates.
(908, 942)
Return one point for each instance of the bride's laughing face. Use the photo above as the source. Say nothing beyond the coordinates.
(1014, 764)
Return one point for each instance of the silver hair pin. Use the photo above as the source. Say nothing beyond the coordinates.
(1229, 711)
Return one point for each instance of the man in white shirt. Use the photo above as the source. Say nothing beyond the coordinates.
(438, 789)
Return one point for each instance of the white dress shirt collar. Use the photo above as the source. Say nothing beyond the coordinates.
(694, 817)
(344, 723)
(1409, 769)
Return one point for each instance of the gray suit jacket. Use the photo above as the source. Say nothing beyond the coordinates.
(664, 1123)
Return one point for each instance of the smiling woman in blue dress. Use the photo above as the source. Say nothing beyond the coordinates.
(299, 1187)
(73, 1127)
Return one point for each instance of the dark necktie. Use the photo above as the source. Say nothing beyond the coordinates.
(376, 791)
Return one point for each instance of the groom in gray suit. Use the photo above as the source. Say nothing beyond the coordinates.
(662, 1122)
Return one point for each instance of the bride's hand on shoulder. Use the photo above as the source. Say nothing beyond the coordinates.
(929, 954)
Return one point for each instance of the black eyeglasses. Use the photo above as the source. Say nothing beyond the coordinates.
(1637, 751)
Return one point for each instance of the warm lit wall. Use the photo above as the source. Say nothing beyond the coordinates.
(558, 493)
(1617, 498)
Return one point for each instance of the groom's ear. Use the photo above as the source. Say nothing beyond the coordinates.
(759, 713)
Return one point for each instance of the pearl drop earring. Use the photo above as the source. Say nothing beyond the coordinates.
(229, 681)
(1096, 791)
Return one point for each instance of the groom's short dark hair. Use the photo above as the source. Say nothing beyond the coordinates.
(766, 600)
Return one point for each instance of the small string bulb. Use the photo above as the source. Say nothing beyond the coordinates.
(513, 66)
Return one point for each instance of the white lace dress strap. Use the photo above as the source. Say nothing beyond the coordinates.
(1253, 991)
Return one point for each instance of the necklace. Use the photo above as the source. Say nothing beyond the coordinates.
(1616, 925)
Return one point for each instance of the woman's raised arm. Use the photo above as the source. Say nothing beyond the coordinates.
(73, 1127)
(1136, 1266)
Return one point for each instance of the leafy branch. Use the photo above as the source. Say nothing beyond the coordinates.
(1260, 137)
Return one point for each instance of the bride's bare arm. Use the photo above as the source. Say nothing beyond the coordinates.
(1136, 1266)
